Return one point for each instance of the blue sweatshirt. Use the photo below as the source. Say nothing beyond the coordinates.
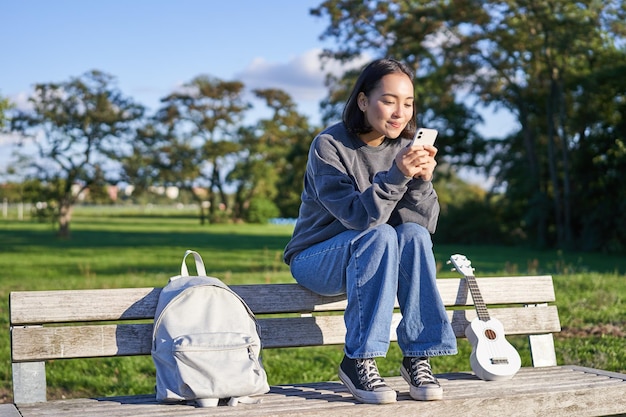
(350, 185)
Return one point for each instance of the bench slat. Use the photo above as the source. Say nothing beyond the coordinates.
(557, 391)
(41, 307)
(61, 306)
(44, 343)
(9, 410)
(533, 391)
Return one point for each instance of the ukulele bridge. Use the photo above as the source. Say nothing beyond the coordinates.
(499, 361)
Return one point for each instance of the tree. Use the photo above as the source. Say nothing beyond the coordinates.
(530, 57)
(139, 167)
(197, 128)
(599, 155)
(273, 158)
(416, 32)
(76, 126)
(4, 107)
(538, 54)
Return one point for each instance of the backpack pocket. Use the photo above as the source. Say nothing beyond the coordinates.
(218, 365)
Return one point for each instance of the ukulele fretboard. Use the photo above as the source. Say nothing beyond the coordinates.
(479, 304)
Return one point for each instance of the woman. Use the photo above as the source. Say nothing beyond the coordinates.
(368, 208)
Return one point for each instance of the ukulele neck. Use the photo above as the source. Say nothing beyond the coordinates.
(479, 303)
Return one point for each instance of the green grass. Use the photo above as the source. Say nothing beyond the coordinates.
(144, 247)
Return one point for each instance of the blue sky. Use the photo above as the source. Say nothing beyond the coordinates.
(154, 46)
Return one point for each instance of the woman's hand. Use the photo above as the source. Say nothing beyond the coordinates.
(417, 161)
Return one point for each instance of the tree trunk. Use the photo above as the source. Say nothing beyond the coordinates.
(65, 217)
(198, 199)
(554, 179)
(567, 209)
(537, 197)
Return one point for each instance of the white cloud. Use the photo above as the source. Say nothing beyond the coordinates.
(20, 100)
(302, 77)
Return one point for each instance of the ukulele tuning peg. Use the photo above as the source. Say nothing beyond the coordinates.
(448, 262)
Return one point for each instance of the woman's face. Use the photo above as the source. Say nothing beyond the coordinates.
(388, 108)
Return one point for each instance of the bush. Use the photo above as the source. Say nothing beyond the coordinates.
(261, 210)
(472, 222)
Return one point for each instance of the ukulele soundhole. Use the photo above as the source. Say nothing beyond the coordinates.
(490, 334)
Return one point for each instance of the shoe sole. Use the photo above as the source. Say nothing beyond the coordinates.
(367, 397)
(421, 394)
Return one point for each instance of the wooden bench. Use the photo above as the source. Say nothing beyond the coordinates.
(53, 325)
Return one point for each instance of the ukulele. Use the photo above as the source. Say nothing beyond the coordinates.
(493, 358)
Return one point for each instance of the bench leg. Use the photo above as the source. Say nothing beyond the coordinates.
(542, 350)
(29, 382)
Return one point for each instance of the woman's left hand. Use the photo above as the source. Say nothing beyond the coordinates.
(423, 159)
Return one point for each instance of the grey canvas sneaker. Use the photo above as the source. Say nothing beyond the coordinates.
(362, 379)
(424, 385)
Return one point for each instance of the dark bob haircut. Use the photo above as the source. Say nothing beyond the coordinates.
(368, 80)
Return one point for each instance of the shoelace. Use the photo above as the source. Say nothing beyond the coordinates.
(368, 374)
(422, 373)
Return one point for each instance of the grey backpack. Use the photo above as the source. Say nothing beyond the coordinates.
(205, 344)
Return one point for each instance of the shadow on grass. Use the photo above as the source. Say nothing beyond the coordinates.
(14, 239)
(108, 253)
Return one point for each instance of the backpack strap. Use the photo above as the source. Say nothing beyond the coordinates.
(200, 270)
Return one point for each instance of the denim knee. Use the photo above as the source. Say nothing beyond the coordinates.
(414, 230)
(382, 235)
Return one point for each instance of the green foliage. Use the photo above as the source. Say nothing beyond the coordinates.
(468, 213)
(601, 198)
(191, 140)
(4, 106)
(554, 65)
(261, 210)
(275, 157)
(77, 124)
(472, 222)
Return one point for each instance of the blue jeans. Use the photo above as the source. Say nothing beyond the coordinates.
(372, 267)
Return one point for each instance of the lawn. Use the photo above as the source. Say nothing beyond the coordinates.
(143, 247)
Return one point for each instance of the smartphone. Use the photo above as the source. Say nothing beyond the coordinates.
(424, 136)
